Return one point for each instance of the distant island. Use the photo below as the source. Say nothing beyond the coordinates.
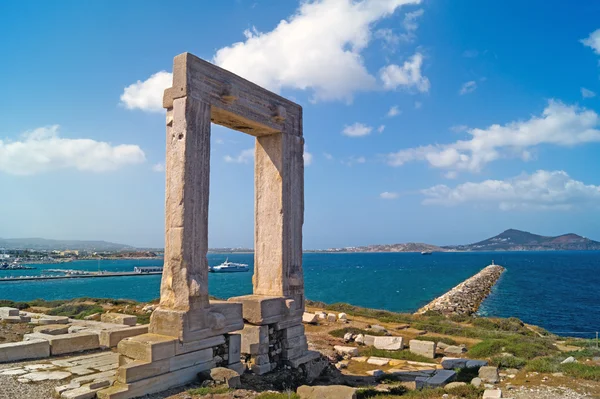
(509, 240)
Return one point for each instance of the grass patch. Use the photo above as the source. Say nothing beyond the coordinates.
(76, 310)
(343, 331)
(508, 362)
(520, 346)
(401, 355)
(543, 365)
(464, 392)
(583, 371)
(208, 391)
(445, 340)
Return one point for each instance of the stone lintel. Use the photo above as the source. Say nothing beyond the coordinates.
(236, 103)
(262, 309)
(221, 318)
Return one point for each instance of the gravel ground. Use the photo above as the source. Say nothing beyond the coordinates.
(10, 388)
(545, 393)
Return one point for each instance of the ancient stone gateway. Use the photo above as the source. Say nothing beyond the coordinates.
(188, 333)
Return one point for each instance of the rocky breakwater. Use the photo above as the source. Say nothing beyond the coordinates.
(465, 298)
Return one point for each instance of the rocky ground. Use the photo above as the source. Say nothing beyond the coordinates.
(514, 383)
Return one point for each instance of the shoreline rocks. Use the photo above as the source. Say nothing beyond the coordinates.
(466, 297)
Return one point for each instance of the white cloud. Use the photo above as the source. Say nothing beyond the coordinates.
(593, 41)
(147, 95)
(408, 75)
(410, 20)
(357, 130)
(388, 195)
(245, 156)
(394, 110)
(586, 93)
(451, 174)
(353, 160)
(43, 150)
(381, 128)
(468, 87)
(559, 125)
(388, 37)
(542, 190)
(319, 48)
(158, 167)
(328, 156)
(308, 157)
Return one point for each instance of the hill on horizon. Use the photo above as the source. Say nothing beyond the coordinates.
(37, 243)
(517, 240)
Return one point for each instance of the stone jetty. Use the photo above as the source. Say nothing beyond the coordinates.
(465, 298)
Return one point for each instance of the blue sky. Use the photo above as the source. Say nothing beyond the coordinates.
(433, 121)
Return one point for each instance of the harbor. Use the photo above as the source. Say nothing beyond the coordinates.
(75, 274)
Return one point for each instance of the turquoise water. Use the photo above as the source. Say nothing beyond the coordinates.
(556, 290)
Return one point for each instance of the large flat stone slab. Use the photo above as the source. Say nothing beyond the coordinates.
(388, 343)
(422, 348)
(46, 375)
(111, 338)
(118, 318)
(33, 349)
(67, 343)
(52, 329)
(148, 347)
(7, 312)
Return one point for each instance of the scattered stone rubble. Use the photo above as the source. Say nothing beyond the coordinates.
(465, 298)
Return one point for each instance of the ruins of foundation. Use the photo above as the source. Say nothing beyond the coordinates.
(189, 333)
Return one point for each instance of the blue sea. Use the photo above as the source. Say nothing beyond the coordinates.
(555, 290)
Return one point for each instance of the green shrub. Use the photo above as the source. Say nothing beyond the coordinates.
(543, 365)
(508, 362)
(208, 391)
(518, 345)
(76, 311)
(42, 303)
(460, 318)
(13, 304)
(580, 370)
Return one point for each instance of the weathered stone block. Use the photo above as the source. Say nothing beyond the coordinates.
(451, 363)
(389, 343)
(254, 339)
(259, 309)
(148, 347)
(378, 361)
(292, 332)
(69, 343)
(294, 342)
(492, 394)
(305, 358)
(222, 376)
(489, 374)
(346, 350)
(423, 348)
(53, 320)
(52, 329)
(193, 346)
(154, 384)
(111, 338)
(6, 312)
(33, 349)
(11, 319)
(234, 350)
(309, 318)
(119, 318)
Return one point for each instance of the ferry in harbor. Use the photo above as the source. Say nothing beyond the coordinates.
(229, 267)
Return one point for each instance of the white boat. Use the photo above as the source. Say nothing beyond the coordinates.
(229, 267)
(426, 252)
